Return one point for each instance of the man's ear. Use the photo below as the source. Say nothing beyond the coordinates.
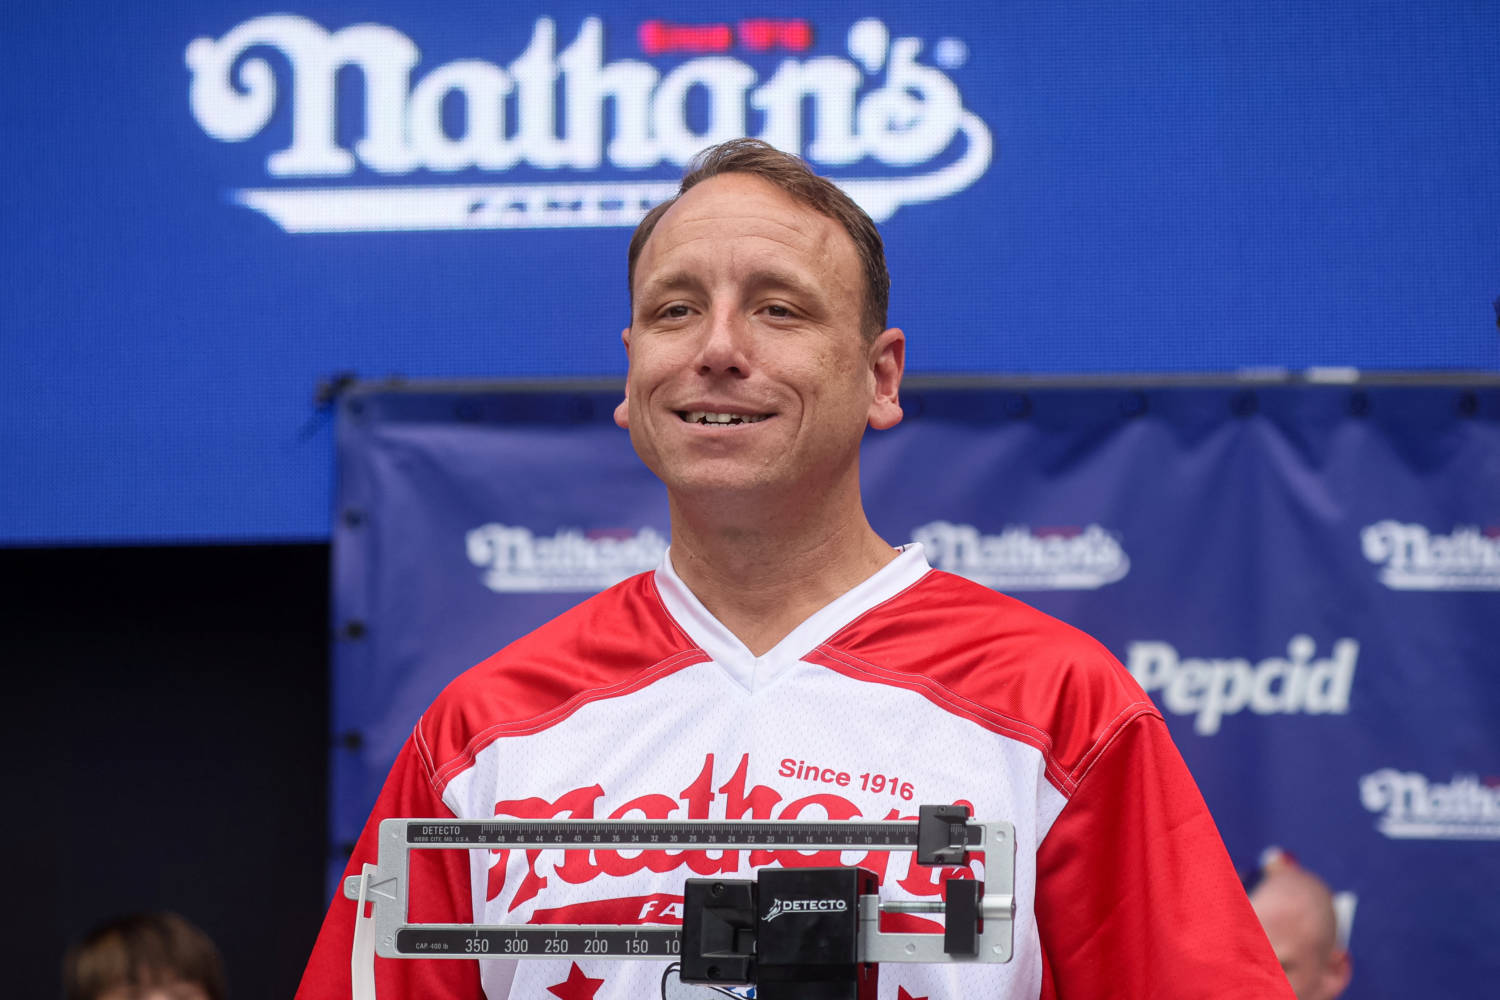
(622, 412)
(887, 364)
(1338, 971)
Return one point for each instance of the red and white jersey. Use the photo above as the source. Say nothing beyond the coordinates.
(915, 687)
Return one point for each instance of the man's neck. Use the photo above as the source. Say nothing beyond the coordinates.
(763, 574)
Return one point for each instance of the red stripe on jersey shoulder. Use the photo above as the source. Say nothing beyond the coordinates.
(614, 643)
(998, 662)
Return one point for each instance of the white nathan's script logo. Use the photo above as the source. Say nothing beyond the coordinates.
(1413, 558)
(1210, 688)
(1018, 559)
(516, 561)
(546, 109)
(1413, 808)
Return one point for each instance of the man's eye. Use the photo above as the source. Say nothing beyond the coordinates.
(779, 311)
(675, 311)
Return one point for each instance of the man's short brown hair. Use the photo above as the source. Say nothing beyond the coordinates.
(140, 951)
(792, 175)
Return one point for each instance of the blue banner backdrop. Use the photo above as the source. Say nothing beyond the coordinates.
(1305, 578)
(210, 207)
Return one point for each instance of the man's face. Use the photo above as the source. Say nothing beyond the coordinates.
(748, 370)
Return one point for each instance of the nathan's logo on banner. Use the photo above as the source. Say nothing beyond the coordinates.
(1416, 559)
(1414, 808)
(1021, 559)
(875, 98)
(1210, 688)
(516, 561)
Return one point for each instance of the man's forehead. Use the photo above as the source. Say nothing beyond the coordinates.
(751, 211)
(738, 195)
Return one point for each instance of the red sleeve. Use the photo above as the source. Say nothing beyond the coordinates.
(1136, 896)
(438, 893)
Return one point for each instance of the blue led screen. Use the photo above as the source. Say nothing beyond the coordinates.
(212, 207)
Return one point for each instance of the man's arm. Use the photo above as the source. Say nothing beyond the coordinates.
(1136, 896)
(439, 893)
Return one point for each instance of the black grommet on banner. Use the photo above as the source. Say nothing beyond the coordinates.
(1133, 404)
(1244, 404)
(1359, 403)
(1017, 406)
(354, 517)
(354, 630)
(1468, 404)
(352, 739)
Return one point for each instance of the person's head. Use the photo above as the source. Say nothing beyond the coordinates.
(1296, 910)
(756, 349)
(144, 956)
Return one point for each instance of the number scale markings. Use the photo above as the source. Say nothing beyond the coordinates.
(668, 834)
(542, 941)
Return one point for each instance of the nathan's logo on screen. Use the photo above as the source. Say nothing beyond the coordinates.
(1413, 558)
(610, 128)
(1022, 559)
(1209, 688)
(516, 561)
(1411, 807)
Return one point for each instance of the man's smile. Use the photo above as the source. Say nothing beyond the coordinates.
(707, 417)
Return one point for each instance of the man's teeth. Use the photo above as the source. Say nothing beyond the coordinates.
(704, 417)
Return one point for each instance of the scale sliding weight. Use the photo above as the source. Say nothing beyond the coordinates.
(795, 933)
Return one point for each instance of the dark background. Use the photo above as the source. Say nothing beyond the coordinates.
(166, 748)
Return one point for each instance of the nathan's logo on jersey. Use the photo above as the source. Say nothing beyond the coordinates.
(516, 561)
(710, 795)
(1413, 558)
(1413, 808)
(781, 906)
(1210, 688)
(611, 124)
(1022, 559)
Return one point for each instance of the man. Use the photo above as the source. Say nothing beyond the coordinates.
(144, 956)
(786, 662)
(1296, 910)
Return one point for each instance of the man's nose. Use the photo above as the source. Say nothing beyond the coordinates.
(724, 346)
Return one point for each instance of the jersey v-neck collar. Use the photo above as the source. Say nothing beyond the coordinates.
(726, 649)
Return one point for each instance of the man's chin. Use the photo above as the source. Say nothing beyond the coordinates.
(721, 485)
(723, 489)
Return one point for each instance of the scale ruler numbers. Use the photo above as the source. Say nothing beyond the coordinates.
(667, 834)
(539, 941)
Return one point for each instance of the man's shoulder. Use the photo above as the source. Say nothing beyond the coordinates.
(605, 646)
(992, 656)
(944, 615)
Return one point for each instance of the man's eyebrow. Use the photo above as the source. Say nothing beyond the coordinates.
(764, 278)
(758, 280)
(671, 281)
